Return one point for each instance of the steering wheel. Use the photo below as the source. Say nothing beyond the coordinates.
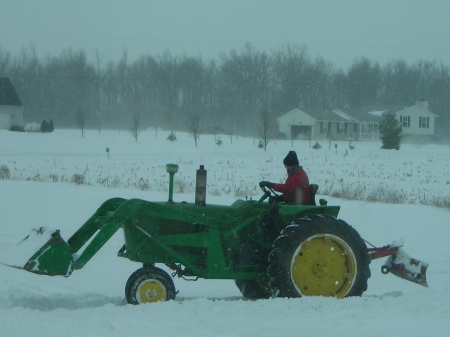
(271, 194)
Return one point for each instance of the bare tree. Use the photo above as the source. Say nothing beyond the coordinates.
(243, 87)
(5, 61)
(80, 119)
(364, 79)
(99, 117)
(229, 91)
(195, 127)
(96, 94)
(135, 126)
(267, 129)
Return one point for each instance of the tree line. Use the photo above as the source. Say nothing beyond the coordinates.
(174, 91)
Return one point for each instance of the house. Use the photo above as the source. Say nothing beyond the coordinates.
(417, 121)
(11, 108)
(296, 124)
(325, 125)
(366, 129)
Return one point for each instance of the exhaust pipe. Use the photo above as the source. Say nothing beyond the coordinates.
(200, 186)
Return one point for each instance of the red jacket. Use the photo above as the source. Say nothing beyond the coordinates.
(296, 188)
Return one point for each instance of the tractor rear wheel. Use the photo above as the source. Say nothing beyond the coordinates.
(148, 285)
(254, 289)
(318, 255)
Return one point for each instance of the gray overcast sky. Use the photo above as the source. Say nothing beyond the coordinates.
(337, 30)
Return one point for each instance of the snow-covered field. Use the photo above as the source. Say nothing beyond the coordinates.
(41, 190)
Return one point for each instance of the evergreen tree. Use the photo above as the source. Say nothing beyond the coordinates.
(390, 132)
(44, 126)
(50, 126)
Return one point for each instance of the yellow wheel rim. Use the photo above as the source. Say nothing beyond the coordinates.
(323, 265)
(150, 291)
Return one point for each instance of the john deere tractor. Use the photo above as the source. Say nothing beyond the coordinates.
(269, 249)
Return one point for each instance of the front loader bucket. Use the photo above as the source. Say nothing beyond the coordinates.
(405, 267)
(58, 257)
(54, 258)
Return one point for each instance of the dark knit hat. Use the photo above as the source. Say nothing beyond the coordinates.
(291, 159)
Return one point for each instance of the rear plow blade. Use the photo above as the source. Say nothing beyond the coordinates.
(407, 268)
(53, 258)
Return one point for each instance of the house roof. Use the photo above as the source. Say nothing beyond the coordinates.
(345, 115)
(377, 113)
(336, 115)
(289, 113)
(374, 116)
(415, 109)
(8, 95)
(327, 115)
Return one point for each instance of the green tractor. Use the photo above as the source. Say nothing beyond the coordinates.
(269, 249)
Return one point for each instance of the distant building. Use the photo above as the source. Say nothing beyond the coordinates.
(417, 121)
(417, 124)
(11, 109)
(325, 125)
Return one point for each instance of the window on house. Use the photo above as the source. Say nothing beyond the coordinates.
(424, 122)
(341, 127)
(324, 127)
(405, 121)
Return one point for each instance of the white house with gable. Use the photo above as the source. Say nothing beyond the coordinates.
(11, 108)
(417, 121)
(296, 124)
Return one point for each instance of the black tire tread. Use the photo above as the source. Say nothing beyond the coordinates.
(253, 289)
(148, 273)
(291, 237)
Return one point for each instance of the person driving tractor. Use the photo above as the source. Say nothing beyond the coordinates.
(296, 189)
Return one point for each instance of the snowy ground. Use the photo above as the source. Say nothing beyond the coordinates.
(40, 192)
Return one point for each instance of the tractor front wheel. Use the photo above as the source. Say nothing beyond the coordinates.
(148, 285)
(318, 256)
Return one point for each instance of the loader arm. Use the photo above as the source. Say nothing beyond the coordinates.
(57, 257)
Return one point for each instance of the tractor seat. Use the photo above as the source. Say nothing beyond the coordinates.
(312, 194)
